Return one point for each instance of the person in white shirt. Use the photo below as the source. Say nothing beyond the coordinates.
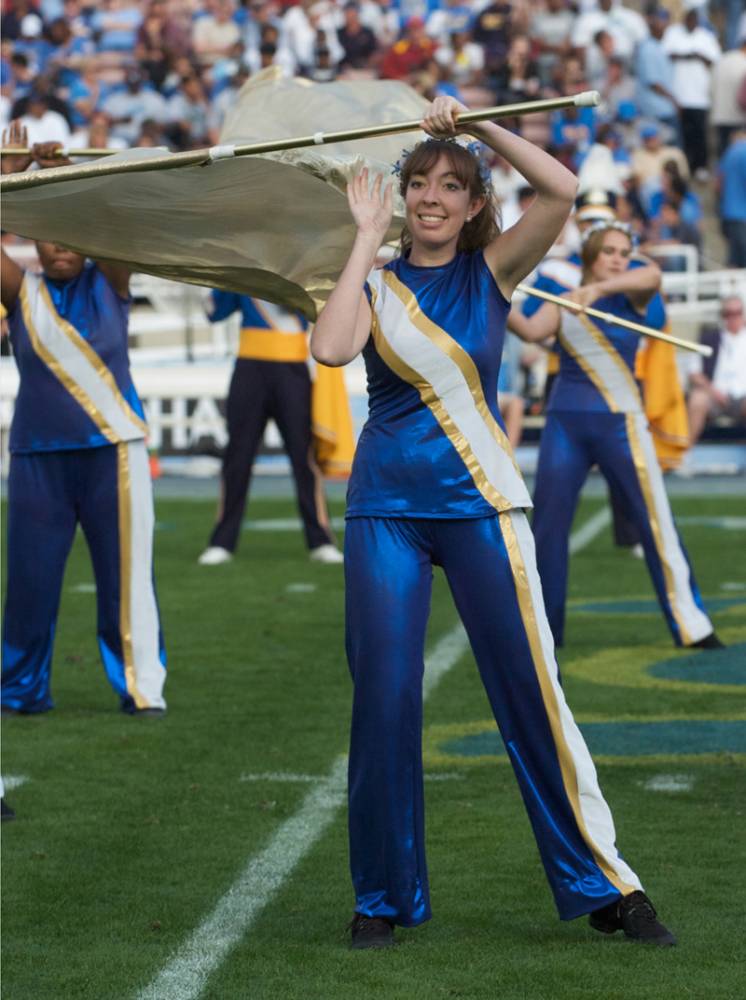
(42, 124)
(626, 27)
(728, 114)
(718, 383)
(694, 50)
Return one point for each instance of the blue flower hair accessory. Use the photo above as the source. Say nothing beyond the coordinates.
(475, 148)
(604, 224)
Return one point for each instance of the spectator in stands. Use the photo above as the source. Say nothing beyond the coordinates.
(158, 37)
(492, 30)
(731, 182)
(187, 113)
(655, 74)
(115, 25)
(42, 124)
(518, 78)
(213, 36)
(95, 135)
(670, 228)
(85, 93)
(227, 97)
(449, 17)
(359, 43)
(464, 58)
(718, 383)
(618, 88)
(729, 93)
(32, 43)
(649, 158)
(300, 26)
(323, 69)
(675, 188)
(625, 26)
(694, 50)
(596, 59)
(550, 33)
(129, 107)
(270, 52)
(383, 19)
(70, 53)
(22, 75)
(410, 54)
(13, 18)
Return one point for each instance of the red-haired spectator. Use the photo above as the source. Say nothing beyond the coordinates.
(411, 53)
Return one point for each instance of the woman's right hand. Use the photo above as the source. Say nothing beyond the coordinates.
(372, 207)
(15, 137)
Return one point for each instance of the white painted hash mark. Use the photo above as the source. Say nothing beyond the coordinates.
(300, 588)
(12, 781)
(283, 776)
(669, 783)
(186, 974)
(84, 588)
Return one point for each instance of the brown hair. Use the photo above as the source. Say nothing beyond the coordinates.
(592, 248)
(485, 225)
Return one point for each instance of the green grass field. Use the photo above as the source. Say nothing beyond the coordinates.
(130, 831)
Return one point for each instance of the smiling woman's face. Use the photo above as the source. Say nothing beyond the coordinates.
(438, 204)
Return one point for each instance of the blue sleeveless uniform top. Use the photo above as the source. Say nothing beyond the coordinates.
(406, 464)
(46, 416)
(597, 361)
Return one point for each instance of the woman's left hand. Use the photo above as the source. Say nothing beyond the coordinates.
(440, 119)
(584, 295)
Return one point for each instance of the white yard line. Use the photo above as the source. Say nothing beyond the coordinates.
(186, 974)
(588, 531)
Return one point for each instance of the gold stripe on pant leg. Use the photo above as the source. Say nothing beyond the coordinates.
(531, 608)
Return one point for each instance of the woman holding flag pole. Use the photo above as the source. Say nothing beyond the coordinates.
(435, 483)
(595, 415)
(78, 455)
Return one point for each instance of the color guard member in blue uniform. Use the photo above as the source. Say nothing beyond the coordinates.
(435, 483)
(78, 456)
(595, 415)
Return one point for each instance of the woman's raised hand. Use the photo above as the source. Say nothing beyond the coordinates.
(440, 119)
(371, 207)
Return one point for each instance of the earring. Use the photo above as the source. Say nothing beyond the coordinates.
(468, 218)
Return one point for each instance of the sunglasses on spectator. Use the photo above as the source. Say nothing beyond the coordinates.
(731, 312)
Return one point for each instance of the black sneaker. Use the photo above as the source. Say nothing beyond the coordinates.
(710, 641)
(5, 811)
(371, 932)
(635, 915)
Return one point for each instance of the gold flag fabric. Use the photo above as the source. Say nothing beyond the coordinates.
(275, 225)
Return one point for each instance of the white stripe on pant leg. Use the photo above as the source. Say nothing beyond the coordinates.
(595, 819)
(150, 674)
(693, 622)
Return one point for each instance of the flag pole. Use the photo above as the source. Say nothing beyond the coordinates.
(204, 157)
(628, 324)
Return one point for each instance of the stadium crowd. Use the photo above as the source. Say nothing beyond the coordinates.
(164, 72)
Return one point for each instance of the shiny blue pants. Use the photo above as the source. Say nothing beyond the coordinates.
(620, 444)
(490, 567)
(49, 494)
